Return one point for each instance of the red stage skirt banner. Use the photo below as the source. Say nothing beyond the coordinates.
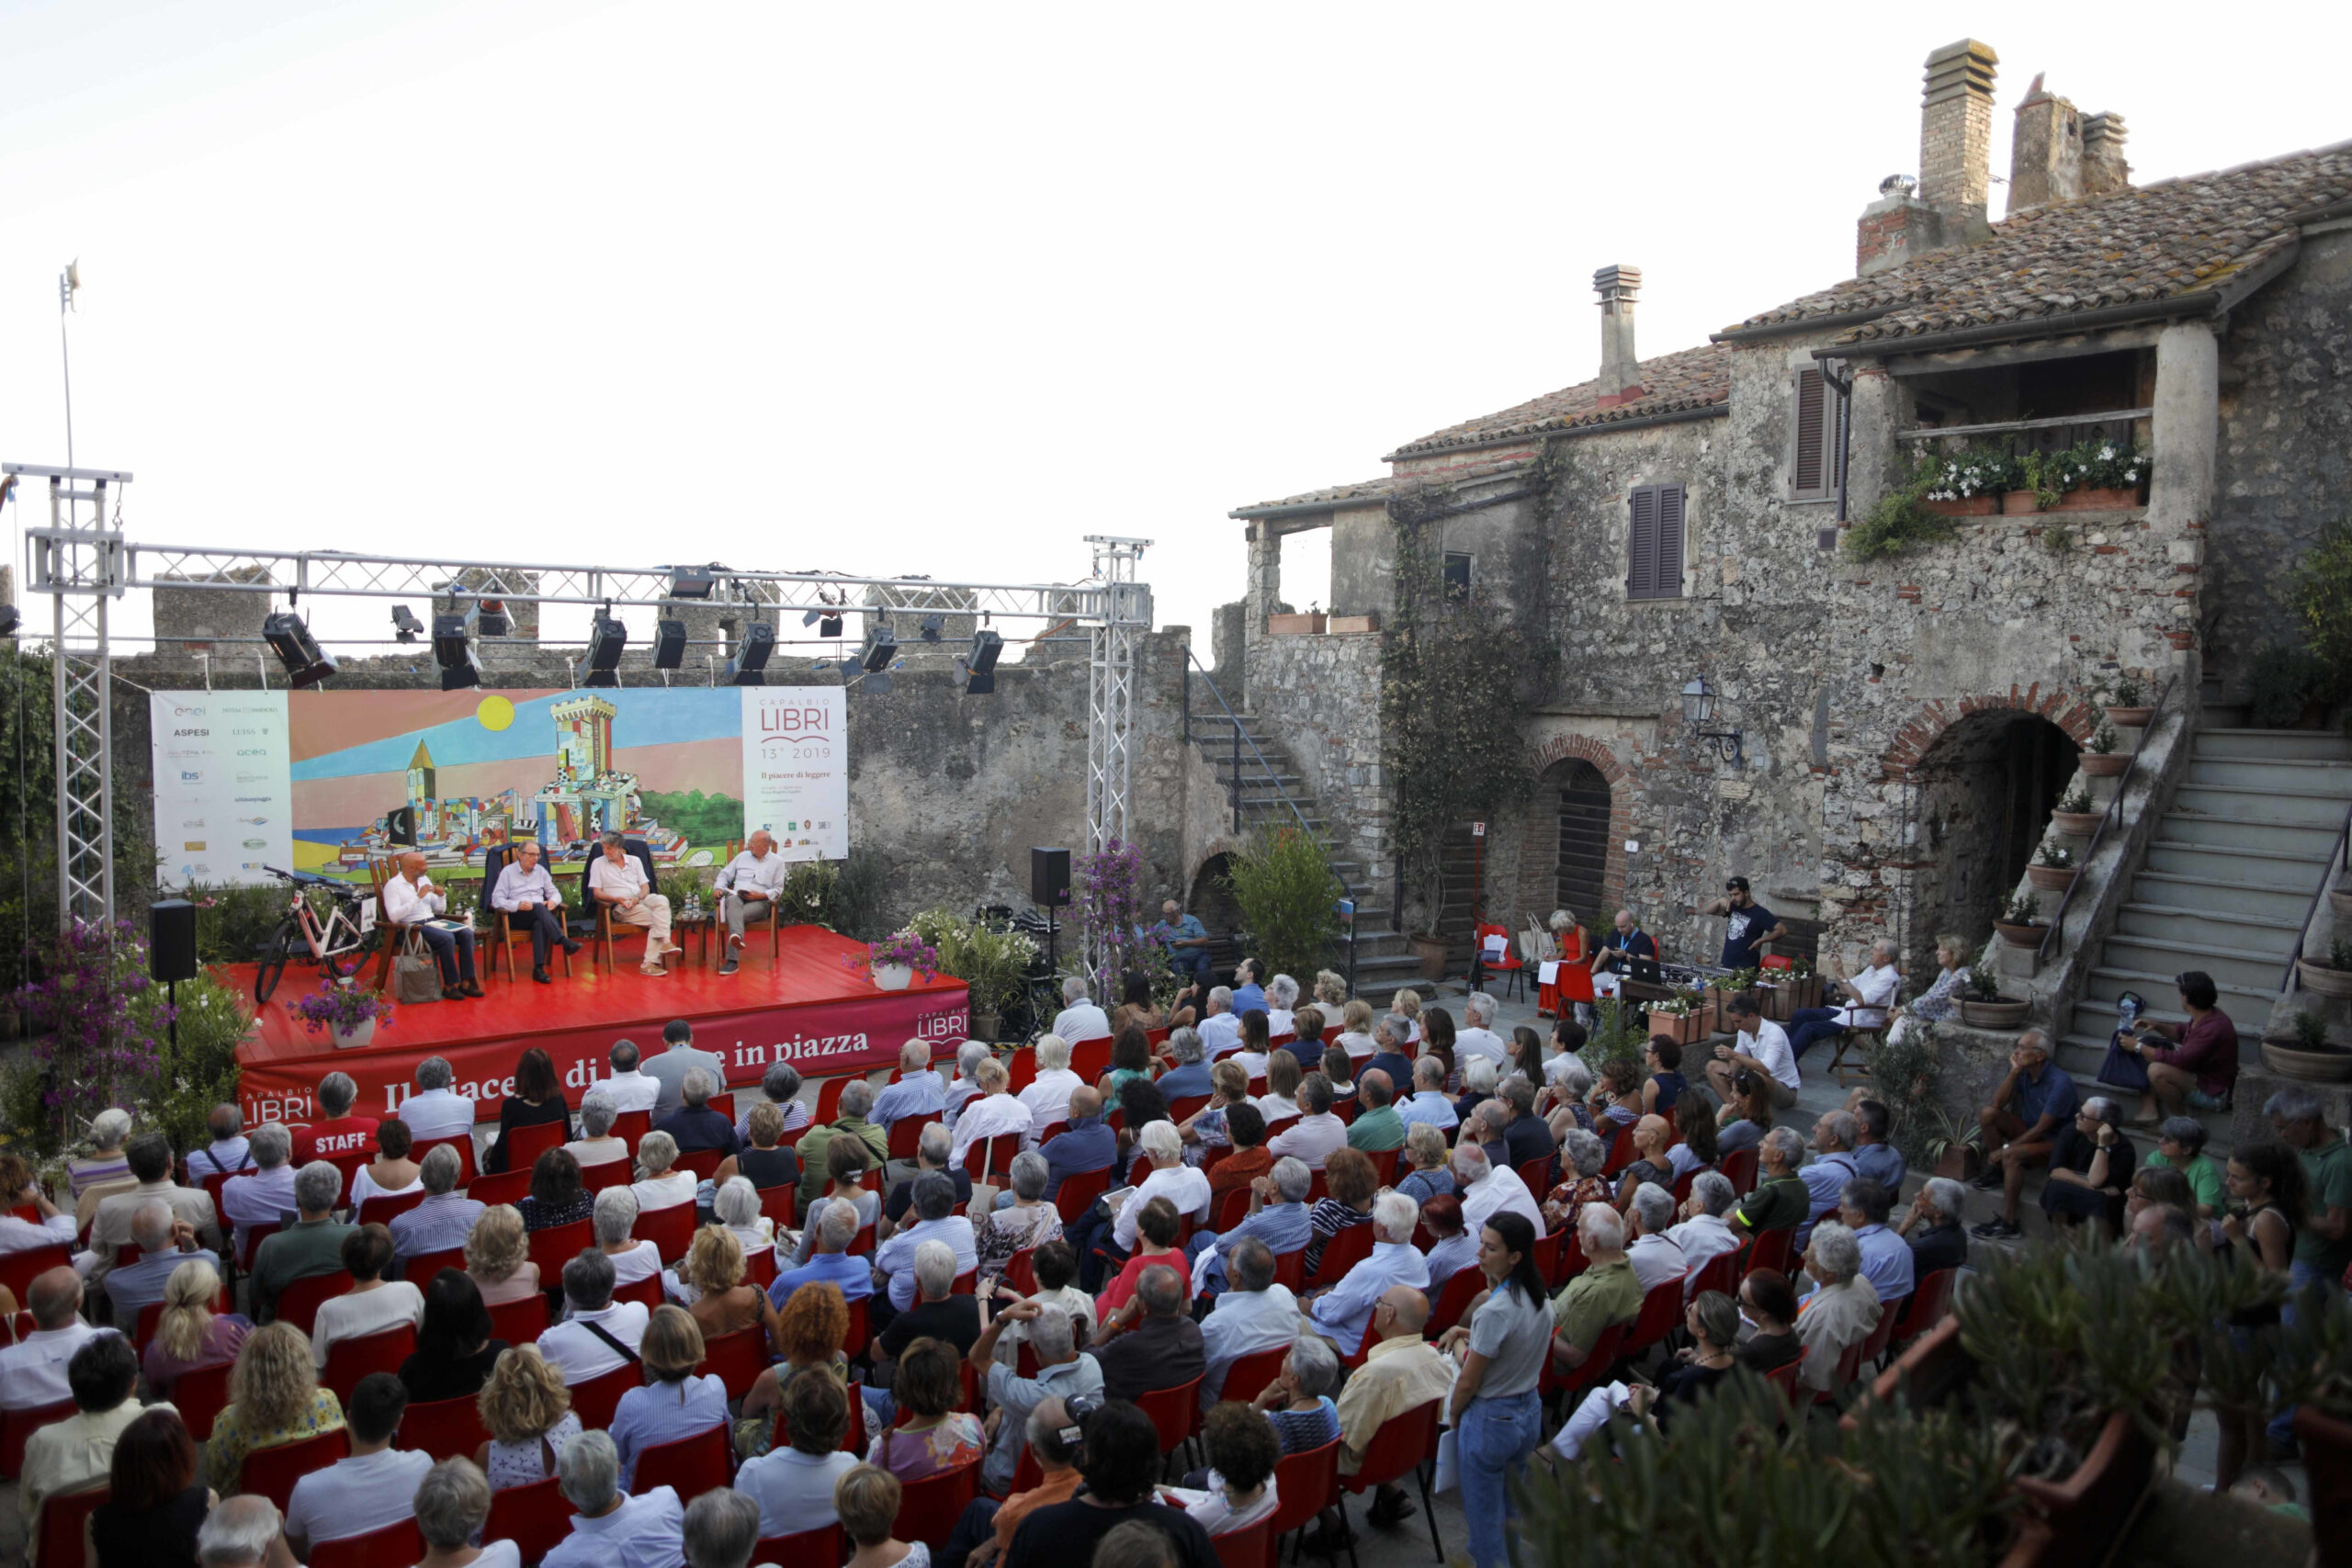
(810, 1011)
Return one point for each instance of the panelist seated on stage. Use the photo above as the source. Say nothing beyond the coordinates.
(618, 882)
(526, 897)
(746, 888)
(413, 902)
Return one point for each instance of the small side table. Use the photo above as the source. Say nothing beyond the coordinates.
(701, 926)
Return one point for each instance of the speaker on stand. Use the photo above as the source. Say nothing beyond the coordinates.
(171, 951)
(1050, 890)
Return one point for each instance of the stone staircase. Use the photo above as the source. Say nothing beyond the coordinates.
(1267, 797)
(2228, 881)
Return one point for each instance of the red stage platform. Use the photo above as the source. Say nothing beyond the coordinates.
(809, 1008)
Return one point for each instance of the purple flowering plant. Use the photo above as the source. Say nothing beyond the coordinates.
(1107, 904)
(901, 948)
(342, 1007)
(98, 1049)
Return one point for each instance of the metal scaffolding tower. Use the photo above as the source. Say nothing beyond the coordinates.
(1111, 687)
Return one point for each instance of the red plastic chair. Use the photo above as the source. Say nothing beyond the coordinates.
(1171, 1411)
(738, 1359)
(929, 1508)
(1021, 1070)
(1536, 1174)
(694, 1466)
(1548, 1247)
(1772, 1250)
(991, 1156)
(19, 1270)
(1721, 1273)
(350, 1164)
(1384, 1165)
(1401, 1446)
(556, 1246)
(1509, 967)
(778, 1204)
(1739, 1169)
(1078, 1191)
(906, 1134)
(863, 1242)
(1347, 1110)
(526, 1144)
(1185, 1106)
(1874, 1345)
(463, 1143)
(724, 1104)
(1342, 1253)
(1784, 1377)
(671, 1229)
(534, 1517)
(1587, 1376)
(17, 1427)
(1252, 1547)
(1453, 1301)
(446, 1428)
(1306, 1483)
(378, 1210)
(521, 1321)
(703, 1163)
(1290, 1270)
(255, 1236)
(646, 1292)
(64, 1514)
(1233, 1209)
(595, 1400)
(853, 1438)
(759, 1266)
(298, 1303)
(1089, 1059)
(348, 1360)
(200, 1394)
(1021, 1271)
(394, 1546)
(1249, 1375)
(606, 1173)
(631, 1127)
(1661, 1310)
(500, 1186)
(1049, 1131)
(272, 1472)
(828, 1099)
(968, 1283)
(1621, 1152)
(419, 1271)
(819, 1548)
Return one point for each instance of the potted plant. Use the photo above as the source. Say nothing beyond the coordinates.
(1982, 1005)
(2100, 476)
(895, 960)
(2287, 688)
(2054, 869)
(2074, 814)
(1955, 1143)
(2123, 707)
(2034, 485)
(2102, 761)
(2019, 921)
(2333, 978)
(1310, 624)
(341, 1007)
(2307, 1053)
(1683, 1017)
(1804, 986)
(1967, 483)
(993, 964)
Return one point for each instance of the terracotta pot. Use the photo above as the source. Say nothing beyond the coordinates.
(2018, 503)
(2076, 824)
(2104, 764)
(1973, 506)
(1294, 626)
(1934, 1366)
(2292, 1061)
(1683, 1029)
(1429, 951)
(2079, 1519)
(2098, 501)
(2340, 900)
(2129, 718)
(2022, 936)
(2051, 878)
(2007, 1013)
(2322, 981)
(2328, 1455)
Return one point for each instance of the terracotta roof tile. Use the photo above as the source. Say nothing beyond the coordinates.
(1363, 493)
(2160, 242)
(1693, 378)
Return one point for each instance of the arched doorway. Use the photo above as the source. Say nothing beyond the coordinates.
(1581, 868)
(1211, 899)
(1980, 802)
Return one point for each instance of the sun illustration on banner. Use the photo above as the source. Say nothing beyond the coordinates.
(495, 713)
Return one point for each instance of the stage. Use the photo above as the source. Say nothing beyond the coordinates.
(809, 1008)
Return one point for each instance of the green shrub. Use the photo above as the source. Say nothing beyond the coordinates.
(2323, 600)
(1283, 882)
(1899, 521)
(2281, 681)
(994, 965)
(234, 922)
(200, 1071)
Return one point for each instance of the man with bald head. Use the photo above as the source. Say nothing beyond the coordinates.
(1401, 1372)
(33, 1371)
(1164, 1348)
(412, 902)
(747, 889)
(165, 1241)
(1377, 1128)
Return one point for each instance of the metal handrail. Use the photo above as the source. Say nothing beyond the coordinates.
(2114, 810)
(1239, 737)
(2338, 859)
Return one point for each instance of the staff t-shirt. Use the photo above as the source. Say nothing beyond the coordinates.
(337, 1135)
(1746, 929)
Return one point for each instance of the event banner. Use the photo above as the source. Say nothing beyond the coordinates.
(795, 769)
(222, 802)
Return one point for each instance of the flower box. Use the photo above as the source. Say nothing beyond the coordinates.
(2007, 1013)
(2129, 718)
(1352, 625)
(2019, 503)
(1294, 626)
(2322, 981)
(2290, 1060)
(2076, 824)
(2104, 764)
(2051, 878)
(1968, 507)
(2022, 936)
(2098, 501)
(1777, 1002)
(1683, 1028)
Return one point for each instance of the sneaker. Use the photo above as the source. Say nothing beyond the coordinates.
(472, 988)
(1996, 1230)
(1990, 1179)
(734, 943)
(729, 966)
(453, 993)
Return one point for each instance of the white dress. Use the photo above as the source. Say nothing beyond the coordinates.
(522, 1464)
(363, 1188)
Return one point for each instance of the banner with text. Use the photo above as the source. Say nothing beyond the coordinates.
(795, 769)
(224, 799)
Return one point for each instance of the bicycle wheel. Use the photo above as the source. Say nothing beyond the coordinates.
(273, 964)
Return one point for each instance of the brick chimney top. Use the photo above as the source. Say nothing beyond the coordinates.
(2104, 169)
(1620, 286)
(1956, 132)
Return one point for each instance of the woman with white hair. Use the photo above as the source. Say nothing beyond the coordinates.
(660, 1182)
(1841, 1312)
(736, 1205)
(1582, 1156)
(1281, 998)
(596, 1145)
(105, 1166)
(615, 1217)
(452, 1504)
(1184, 1187)
(1571, 983)
(1028, 1221)
(1566, 1083)
(1479, 1075)
(608, 1526)
(1048, 1095)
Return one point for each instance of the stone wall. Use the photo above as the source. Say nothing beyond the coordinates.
(1320, 697)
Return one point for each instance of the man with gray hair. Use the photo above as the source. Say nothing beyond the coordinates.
(1255, 1312)
(748, 886)
(2091, 1166)
(1342, 1312)
(1048, 1094)
(779, 1086)
(1478, 1037)
(1429, 1103)
(933, 1200)
(1606, 1292)
(1392, 1040)
(1486, 1189)
(622, 885)
(1705, 1233)
(831, 1263)
(695, 1125)
(1189, 1075)
(1080, 1017)
(993, 1114)
(164, 1242)
(312, 1245)
(1831, 1167)
(150, 1159)
(1220, 1026)
(597, 1334)
(1149, 1342)
(965, 1083)
(34, 1371)
(1781, 1200)
(1841, 1311)
(2021, 1126)
(608, 1526)
(722, 1530)
(239, 1533)
(932, 1148)
(2323, 1236)
(1318, 1133)
(1063, 1370)
(259, 1199)
(630, 1090)
(1931, 1227)
(1862, 1208)
(917, 1092)
(338, 1132)
(1865, 999)
(1652, 1254)
(444, 1217)
(435, 1110)
(526, 898)
(1277, 1219)
(229, 1153)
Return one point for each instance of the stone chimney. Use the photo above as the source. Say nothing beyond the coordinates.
(1621, 372)
(2104, 169)
(2046, 153)
(1956, 134)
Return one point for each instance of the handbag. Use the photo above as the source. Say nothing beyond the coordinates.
(1448, 1462)
(416, 978)
(2123, 1068)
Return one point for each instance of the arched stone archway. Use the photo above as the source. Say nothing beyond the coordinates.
(1570, 832)
(1920, 733)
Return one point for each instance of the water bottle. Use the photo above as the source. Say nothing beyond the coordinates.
(2128, 1009)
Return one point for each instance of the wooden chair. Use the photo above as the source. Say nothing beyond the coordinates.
(348, 1360)
(671, 1229)
(392, 941)
(1405, 1445)
(17, 1427)
(770, 914)
(64, 1514)
(692, 1465)
(556, 1246)
(395, 1546)
(595, 1400)
(929, 1508)
(298, 1303)
(201, 1393)
(1861, 1042)
(500, 1187)
(446, 1428)
(272, 1472)
(607, 930)
(520, 1321)
(510, 927)
(534, 1517)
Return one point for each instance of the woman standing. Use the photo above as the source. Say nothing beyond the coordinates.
(1494, 1407)
(537, 1098)
(2268, 1198)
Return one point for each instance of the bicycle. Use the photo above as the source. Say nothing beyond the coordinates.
(325, 942)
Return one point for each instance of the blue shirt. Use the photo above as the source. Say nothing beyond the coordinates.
(1191, 1079)
(1090, 1145)
(921, 1095)
(2053, 1095)
(662, 1413)
(1423, 1185)
(1883, 1163)
(1886, 1263)
(1281, 1226)
(896, 1258)
(1251, 996)
(1428, 1105)
(853, 1275)
(1189, 929)
(1824, 1179)
(1399, 1070)
(1345, 1309)
(1745, 931)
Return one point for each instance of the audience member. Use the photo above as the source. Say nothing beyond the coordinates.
(156, 1497)
(1297, 1401)
(340, 1133)
(1705, 1232)
(932, 1434)
(312, 1245)
(372, 1304)
(792, 1482)
(630, 1089)
(1486, 1189)
(536, 1101)
(229, 1153)
(165, 1243)
(188, 1333)
(608, 1526)
(1080, 1017)
(937, 1313)
(1770, 1302)
(679, 1056)
(1931, 1227)
(1607, 1292)
(1119, 1460)
(106, 1168)
(761, 1161)
(1278, 1217)
(77, 1451)
(444, 1218)
(2021, 1126)
(498, 1258)
(674, 1402)
(1651, 1252)
(1494, 1406)
(241, 1532)
(1567, 1083)
(598, 1334)
(452, 1505)
(1841, 1311)
(1452, 1248)
(916, 1092)
(598, 1143)
(613, 1217)
(274, 1398)
(1351, 1185)
(931, 1157)
(830, 1264)
(850, 1122)
(1343, 1312)
(2180, 1145)
(149, 1156)
(391, 1174)
(1662, 1082)
(374, 1488)
(435, 1110)
(710, 1282)
(33, 1370)
(1401, 1372)
(260, 1198)
(1761, 1047)
(526, 1410)
(661, 1182)
(456, 1344)
(844, 1163)
(1426, 1173)
(1873, 1156)
(1781, 1200)
(933, 1205)
(779, 1086)
(1240, 1490)
(1150, 1343)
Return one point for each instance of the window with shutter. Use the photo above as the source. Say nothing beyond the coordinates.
(1654, 551)
(1813, 464)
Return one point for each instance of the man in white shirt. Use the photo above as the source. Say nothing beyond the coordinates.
(23, 1235)
(1080, 1017)
(1652, 1254)
(678, 1059)
(525, 895)
(1478, 1037)
(411, 900)
(268, 1193)
(1870, 994)
(1048, 1096)
(374, 1488)
(630, 1090)
(1311, 1138)
(1488, 1189)
(1253, 1314)
(1704, 1234)
(1427, 1103)
(227, 1154)
(747, 889)
(579, 1346)
(991, 1115)
(617, 881)
(1220, 1027)
(1341, 1313)
(150, 1155)
(33, 1371)
(435, 1110)
(610, 1528)
(1762, 1047)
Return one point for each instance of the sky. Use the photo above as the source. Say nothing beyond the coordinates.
(936, 289)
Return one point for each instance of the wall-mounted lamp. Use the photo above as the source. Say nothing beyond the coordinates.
(1699, 711)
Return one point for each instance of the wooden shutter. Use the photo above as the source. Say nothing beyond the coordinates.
(1809, 472)
(1670, 541)
(1641, 563)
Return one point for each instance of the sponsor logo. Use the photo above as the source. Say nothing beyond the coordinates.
(250, 865)
(184, 734)
(187, 777)
(785, 722)
(193, 822)
(257, 844)
(249, 821)
(193, 844)
(252, 752)
(252, 778)
(254, 800)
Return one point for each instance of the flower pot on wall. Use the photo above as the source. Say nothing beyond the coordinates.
(2021, 936)
(2051, 878)
(2018, 503)
(2098, 501)
(1294, 626)
(2290, 1060)
(1683, 1028)
(1429, 951)
(1778, 1002)
(2104, 764)
(1970, 506)
(2076, 824)
(2340, 900)
(2007, 1013)
(892, 976)
(2079, 1519)
(359, 1034)
(2322, 981)
(2129, 718)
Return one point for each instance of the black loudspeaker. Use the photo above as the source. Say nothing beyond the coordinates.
(1050, 878)
(171, 939)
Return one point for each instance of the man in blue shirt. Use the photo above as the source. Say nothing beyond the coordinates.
(1886, 1256)
(1249, 990)
(1341, 1312)
(1089, 1145)
(1277, 1216)
(2021, 1126)
(1189, 1075)
(1388, 1038)
(1188, 942)
(1873, 1156)
(831, 1263)
(1752, 924)
(917, 1092)
(1832, 1167)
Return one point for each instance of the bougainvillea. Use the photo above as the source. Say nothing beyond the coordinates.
(1108, 905)
(94, 1049)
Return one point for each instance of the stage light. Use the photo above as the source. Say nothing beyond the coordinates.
(405, 625)
(607, 640)
(752, 649)
(669, 644)
(881, 647)
(932, 627)
(827, 623)
(454, 652)
(979, 665)
(491, 618)
(694, 581)
(296, 648)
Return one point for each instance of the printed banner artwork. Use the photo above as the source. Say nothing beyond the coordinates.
(795, 769)
(223, 804)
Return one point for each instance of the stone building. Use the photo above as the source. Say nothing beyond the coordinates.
(1906, 724)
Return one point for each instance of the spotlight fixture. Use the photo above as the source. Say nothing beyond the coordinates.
(881, 648)
(491, 618)
(669, 644)
(827, 623)
(749, 666)
(453, 650)
(406, 627)
(296, 648)
(694, 581)
(607, 640)
(932, 627)
(979, 665)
